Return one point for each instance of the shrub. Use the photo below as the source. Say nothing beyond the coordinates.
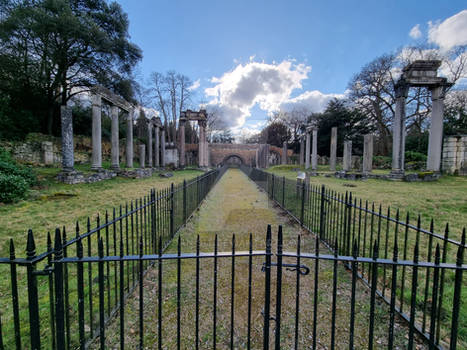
(12, 188)
(411, 156)
(382, 162)
(10, 168)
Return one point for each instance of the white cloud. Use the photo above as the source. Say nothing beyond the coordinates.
(415, 32)
(313, 101)
(449, 33)
(195, 85)
(255, 83)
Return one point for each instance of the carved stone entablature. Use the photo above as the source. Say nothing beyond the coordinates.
(423, 73)
(109, 96)
(191, 115)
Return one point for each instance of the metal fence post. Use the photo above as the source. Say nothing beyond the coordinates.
(171, 209)
(322, 214)
(32, 294)
(59, 295)
(302, 209)
(267, 290)
(283, 191)
(184, 201)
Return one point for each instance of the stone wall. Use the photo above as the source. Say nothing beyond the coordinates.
(455, 155)
(39, 149)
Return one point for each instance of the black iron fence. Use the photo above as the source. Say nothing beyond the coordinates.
(350, 226)
(199, 299)
(46, 305)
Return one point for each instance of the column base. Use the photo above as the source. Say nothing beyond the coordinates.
(397, 174)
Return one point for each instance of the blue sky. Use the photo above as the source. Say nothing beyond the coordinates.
(326, 41)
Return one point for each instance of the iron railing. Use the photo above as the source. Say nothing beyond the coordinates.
(341, 219)
(45, 305)
(199, 301)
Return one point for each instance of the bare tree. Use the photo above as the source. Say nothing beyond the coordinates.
(172, 95)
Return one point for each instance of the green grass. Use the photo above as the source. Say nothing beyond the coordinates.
(443, 200)
(54, 205)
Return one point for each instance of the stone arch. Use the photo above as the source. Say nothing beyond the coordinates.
(233, 159)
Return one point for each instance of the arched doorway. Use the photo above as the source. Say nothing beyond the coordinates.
(233, 160)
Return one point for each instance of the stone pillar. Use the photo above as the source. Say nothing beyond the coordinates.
(257, 158)
(142, 156)
(150, 144)
(333, 155)
(115, 150)
(302, 151)
(68, 158)
(435, 141)
(163, 148)
(398, 134)
(314, 153)
(367, 153)
(202, 147)
(47, 152)
(307, 150)
(96, 160)
(182, 143)
(129, 140)
(284, 153)
(156, 147)
(347, 156)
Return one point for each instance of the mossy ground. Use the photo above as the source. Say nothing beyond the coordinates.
(237, 206)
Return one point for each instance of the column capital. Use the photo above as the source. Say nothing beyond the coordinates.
(401, 88)
(439, 92)
(202, 123)
(96, 100)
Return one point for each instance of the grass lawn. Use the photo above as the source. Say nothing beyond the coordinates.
(54, 204)
(444, 200)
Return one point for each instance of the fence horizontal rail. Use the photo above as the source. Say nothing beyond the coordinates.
(146, 226)
(197, 294)
(340, 219)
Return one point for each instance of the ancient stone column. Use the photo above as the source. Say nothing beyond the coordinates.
(202, 149)
(435, 140)
(257, 158)
(314, 153)
(284, 153)
(307, 150)
(182, 143)
(347, 166)
(398, 134)
(302, 151)
(129, 140)
(115, 150)
(150, 144)
(156, 147)
(266, 156)
(163, 148)
(367, 153)
(68, 159)
(333, 155)
(142, 156)
(96, 160)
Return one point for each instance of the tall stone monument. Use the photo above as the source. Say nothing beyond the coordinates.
(333, 155)
(421, 73)
(367, 153)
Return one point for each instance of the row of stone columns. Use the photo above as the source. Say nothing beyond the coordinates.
(347, 157)
(96, 160)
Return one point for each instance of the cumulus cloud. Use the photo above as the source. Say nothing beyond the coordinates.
(195, 85)
(449, 33)
(313, 101)
(415, 32)
(254, 83)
